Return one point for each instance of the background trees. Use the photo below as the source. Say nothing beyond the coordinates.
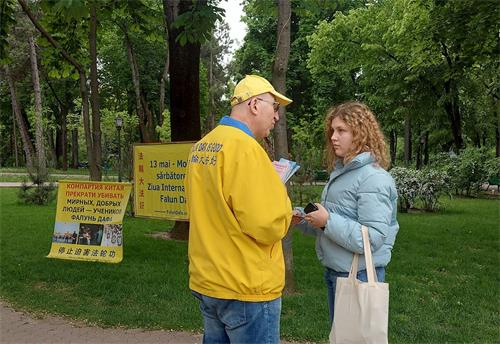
(428, 68)
(415, 59)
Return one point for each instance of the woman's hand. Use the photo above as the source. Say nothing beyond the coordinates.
(319, 217)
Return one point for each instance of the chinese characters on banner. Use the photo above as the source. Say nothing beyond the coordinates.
(89, 221)
(159, 173)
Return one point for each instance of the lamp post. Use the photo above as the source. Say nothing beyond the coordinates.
(119, 124)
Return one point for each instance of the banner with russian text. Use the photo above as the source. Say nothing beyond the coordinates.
(159, 172)
(89, 221)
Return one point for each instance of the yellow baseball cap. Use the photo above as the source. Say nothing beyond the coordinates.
(253, 85)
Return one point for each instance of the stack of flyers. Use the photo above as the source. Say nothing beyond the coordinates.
(285, 168)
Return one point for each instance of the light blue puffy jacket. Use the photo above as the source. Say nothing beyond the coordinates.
(359, 193)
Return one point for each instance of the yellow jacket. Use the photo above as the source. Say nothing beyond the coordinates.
(239, 211)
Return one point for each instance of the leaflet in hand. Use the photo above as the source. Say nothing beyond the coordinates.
(285, 168)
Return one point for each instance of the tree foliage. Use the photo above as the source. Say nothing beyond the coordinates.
(428, 68)
(413, 57)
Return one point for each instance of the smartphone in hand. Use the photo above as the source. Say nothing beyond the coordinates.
(310, 207)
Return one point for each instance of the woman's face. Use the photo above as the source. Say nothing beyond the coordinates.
(341, 137)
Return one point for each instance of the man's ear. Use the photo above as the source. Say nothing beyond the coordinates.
(253, 106)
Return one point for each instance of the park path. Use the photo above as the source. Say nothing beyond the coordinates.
(21, 328)
(10, 184)
(17, 327)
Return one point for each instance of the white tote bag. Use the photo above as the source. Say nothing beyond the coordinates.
(361, 309)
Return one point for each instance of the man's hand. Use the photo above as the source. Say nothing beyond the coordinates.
(297, 217)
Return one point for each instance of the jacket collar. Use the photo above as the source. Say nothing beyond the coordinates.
(231, 122)
(358, 161)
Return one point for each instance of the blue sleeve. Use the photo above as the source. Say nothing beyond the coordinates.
(374, 211)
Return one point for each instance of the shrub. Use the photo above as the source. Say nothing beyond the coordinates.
(469, 170)
(407, 185)
(432, 184)
(493, 167)
(426, 185)
(39, 194)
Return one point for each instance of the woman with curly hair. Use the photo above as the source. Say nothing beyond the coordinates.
(359, 192)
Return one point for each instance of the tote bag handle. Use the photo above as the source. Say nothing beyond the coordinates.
(370, 270)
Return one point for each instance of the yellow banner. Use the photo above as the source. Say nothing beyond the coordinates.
(89, 221)
(159, 173)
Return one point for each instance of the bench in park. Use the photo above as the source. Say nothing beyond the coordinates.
(494, 181)
(321, 176)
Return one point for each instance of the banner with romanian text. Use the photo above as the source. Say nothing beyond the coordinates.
(159, 173)
(89, 221)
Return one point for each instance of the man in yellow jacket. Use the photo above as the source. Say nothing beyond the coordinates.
(239, 211)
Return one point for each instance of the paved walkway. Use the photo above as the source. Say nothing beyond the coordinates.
(22, 328)
(11, 184)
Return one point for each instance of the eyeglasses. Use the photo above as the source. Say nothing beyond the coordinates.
(276, 105)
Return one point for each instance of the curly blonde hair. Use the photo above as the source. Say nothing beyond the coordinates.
(367, 136)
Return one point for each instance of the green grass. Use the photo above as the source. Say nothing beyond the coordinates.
(13, 174)
(443, 277)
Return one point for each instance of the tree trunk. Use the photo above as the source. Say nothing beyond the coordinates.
(41, 162)
(62, 138)
(476, 138)
(74, 148)
(184, 79)
(418, 153)
(393, 142)
(146, 121)
(96, 167)
(61, 116)
(451, 103)
(29, 149)
(280, 67)
(58, 139)
(210, 119)
(51, 145)
(14, 140)
(426, 147)
(184, 85)
(496, 106)
(408, 147)
(453, 111)
(497, 139)
(164, 78)
(137, 88)
(86, 128)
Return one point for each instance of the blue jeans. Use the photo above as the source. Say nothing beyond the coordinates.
(234, 321)
(331, 283)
